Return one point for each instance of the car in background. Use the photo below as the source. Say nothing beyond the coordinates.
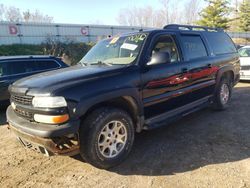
(13, 68)
(244, 63)
(239, 46)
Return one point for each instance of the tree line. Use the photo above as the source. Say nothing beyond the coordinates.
(14, 14)
(233, 15)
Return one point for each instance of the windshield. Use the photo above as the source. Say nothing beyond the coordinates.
(244, 52)
(117, 50)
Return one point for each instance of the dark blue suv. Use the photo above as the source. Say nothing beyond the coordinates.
(13, 68)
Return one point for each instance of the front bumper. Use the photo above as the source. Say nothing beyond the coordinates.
(47, 139)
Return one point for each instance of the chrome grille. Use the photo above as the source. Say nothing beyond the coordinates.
(21, 99)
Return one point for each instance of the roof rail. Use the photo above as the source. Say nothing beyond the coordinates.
(192, 28)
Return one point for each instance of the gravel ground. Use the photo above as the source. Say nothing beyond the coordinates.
(205, 149)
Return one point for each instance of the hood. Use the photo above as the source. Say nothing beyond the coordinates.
(47, 81)
(244, 61)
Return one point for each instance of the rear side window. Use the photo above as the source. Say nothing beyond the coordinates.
(3, 69)
(20, 67)
(45, 65)
(220, 43)
(40, 65)
(193, 46)
(14, 67)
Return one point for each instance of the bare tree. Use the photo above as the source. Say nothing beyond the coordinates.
(192, 9)
(26, 16)
(12, 14)
(143, 17)
(37, 17)
(129, 17)
(1, 12)
(170, 12)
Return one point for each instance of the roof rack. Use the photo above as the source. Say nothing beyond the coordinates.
(192, 28)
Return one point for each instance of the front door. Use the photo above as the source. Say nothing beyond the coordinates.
(165, 85)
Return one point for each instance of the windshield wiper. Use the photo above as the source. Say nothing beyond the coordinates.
(102, 63)
(83, 63)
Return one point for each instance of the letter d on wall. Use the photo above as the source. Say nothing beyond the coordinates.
(12, 30)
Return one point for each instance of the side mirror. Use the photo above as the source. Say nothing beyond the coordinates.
(159, 58)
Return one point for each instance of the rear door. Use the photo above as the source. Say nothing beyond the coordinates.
(202, 70)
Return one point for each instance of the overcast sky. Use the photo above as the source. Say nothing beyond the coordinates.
(80, 11)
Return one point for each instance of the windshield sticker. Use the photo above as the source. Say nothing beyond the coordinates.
(128, 46)
(114, 40)
(137, 38)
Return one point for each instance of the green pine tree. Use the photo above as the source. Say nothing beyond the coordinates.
(244, 13)
(215, 14)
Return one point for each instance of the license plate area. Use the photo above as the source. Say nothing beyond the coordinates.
(33, 146)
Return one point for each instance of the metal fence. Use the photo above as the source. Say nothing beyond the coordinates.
(32, 33)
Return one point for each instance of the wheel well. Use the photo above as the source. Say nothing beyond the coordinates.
(228, 75)
(125, 103)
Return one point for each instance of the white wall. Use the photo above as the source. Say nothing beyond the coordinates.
(32, 33)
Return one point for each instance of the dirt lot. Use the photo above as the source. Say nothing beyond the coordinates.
(205, 149)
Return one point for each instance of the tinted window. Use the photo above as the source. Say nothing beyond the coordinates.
(41, 65)
(166, 44)
(13, 67)
(220, 43)
(193, 46)
(18, 67)
(3, 69)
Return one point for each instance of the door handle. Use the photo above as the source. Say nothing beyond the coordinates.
(184, 70)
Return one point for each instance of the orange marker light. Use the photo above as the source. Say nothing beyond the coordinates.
(61, 119)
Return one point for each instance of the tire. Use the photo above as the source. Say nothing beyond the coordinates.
(223, 94)
(106, 137)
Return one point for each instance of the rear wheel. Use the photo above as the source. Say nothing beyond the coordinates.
(223, 94)
(106, 137)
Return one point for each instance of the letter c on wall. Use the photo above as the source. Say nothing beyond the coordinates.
(84, 31)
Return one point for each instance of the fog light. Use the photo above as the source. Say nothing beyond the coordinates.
(57, 119)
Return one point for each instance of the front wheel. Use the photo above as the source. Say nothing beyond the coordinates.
(106, 137)
(222, 94)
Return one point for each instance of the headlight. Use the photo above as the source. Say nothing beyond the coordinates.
(49, 102)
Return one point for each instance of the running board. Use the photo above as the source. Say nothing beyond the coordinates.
(167, 117)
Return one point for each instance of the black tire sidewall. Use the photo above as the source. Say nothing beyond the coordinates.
(91, 144)
(218, 104)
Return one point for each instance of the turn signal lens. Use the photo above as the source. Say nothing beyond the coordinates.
(51, 119)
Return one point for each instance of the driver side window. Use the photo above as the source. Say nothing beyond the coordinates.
(167, 44)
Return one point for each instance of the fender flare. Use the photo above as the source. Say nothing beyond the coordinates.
(131, 95)
(221, 72)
